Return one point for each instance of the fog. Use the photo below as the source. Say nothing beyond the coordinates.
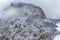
(50, 7)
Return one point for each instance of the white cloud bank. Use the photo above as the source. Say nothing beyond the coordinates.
(50, 7)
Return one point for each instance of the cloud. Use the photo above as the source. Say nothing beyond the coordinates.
(50, 7)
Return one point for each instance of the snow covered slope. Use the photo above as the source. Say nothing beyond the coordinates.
(58, 28)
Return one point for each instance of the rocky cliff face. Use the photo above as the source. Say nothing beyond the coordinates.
(23, 21)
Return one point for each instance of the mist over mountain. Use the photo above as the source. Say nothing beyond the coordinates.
(50, 7)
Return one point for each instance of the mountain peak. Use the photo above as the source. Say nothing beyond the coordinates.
(27, 22)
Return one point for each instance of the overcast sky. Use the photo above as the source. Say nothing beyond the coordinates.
(50, 7)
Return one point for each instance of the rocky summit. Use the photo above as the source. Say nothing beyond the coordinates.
(22, 21)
